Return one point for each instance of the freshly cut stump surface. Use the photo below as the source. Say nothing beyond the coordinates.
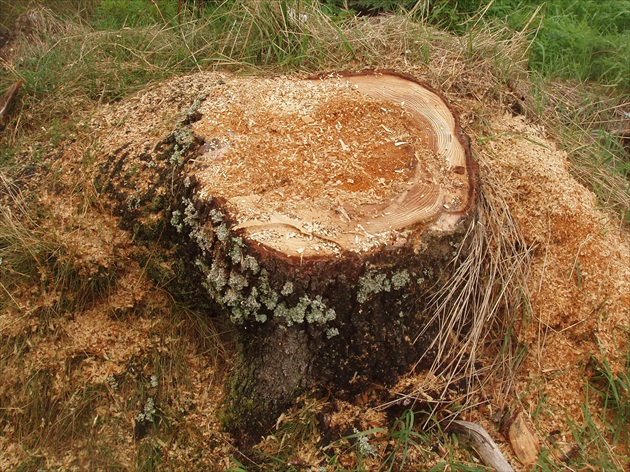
(319, 167)
(321, 215)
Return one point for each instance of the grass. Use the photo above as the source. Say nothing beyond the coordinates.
(477, 306)
(585, 40)
(605, 430)
(376, 448)
(73, 65)
(33, 254)
(586, 122)
(613, 391)
(83, 53)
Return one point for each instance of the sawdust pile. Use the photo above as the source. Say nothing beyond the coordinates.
(580, 274)
(302, 139)
(87, 364)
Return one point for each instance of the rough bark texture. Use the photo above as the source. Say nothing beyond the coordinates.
(341, 321)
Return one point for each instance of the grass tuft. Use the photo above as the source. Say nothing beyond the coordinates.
(588, 121)
(34, 255)
(478, 307)
(613, 391)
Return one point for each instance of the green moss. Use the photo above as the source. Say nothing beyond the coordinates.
(239, 404)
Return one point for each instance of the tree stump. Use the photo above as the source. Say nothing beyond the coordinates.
(321, 214)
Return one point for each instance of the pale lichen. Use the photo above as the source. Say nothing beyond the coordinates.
(133, 202)
(287, 289)
(307, 309)
(331, 332)
(147, 412)
(400, 279)
(376, 282)
(371, 283)
(176, 221)
(237, 281)
(318, 312)
(236, 254)
(185, 139)
(216, 216)
(222, 232)
(251, 264)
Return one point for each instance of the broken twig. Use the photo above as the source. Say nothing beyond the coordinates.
(487, 449)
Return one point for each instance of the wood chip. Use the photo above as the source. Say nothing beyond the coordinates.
(524, 443)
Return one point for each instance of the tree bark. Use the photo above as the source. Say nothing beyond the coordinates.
(323, 294)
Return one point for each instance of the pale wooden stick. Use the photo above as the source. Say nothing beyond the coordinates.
(487, 449)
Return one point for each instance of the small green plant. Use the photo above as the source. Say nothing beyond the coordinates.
(603, 437)
(358, 447)
(404, 436)
(613, 391)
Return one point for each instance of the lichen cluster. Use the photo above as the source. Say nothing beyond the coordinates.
(374, 282)
(237, 281)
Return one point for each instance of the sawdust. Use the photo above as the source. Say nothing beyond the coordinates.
(105, 349)
(580, 284)
(302, 139)
(580, 273)
(301, 158)
(307, 165)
